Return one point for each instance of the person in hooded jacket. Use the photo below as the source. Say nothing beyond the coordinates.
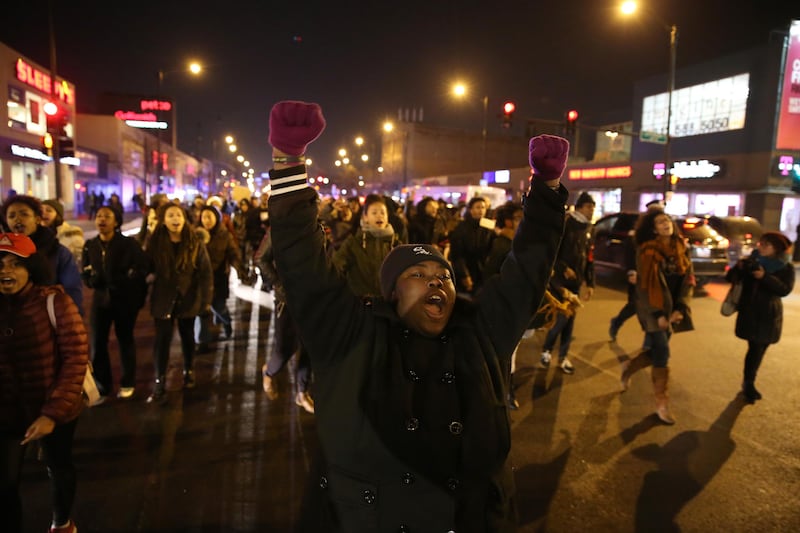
(223, 252)
(115, 267)
(410, 387)
(766, 277)
(23, 214)
(70, 236)
(182, 289)
(360, 256)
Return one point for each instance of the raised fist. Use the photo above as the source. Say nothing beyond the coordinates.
(294, 125)
(548, 156)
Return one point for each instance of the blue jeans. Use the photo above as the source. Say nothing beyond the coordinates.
(659, 347)
(563, 328)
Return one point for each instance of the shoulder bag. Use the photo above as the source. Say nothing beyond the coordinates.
(90, 392)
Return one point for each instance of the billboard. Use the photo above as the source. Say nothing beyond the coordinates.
(710, 107)
(788, 134)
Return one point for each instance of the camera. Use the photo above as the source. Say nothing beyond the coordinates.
(750, 265)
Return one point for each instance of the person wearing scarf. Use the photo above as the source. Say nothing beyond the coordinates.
(766, 277)
(664, 290)
(360, 256)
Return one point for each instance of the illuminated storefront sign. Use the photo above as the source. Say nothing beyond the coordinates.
(148, 115)
(30, 75)
(702, 169)
(32, 153)
(600, 173)
(788, 134)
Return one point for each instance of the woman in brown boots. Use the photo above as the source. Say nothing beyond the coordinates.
(664, 291)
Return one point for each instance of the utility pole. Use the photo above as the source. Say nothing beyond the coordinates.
(57, 140)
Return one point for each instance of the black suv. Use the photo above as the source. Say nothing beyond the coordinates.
(707, 248)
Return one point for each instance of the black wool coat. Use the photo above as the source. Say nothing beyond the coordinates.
(415, 430)
(760, 316)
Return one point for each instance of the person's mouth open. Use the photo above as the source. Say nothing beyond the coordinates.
(434, 304)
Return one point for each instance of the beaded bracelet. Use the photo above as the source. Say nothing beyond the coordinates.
(288, 159)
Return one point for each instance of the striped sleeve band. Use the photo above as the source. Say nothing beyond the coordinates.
(284, 184)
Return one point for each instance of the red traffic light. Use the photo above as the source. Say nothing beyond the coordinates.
(572, 115)
(509, 107)
(50, 108)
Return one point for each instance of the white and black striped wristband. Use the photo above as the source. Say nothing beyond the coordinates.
(288, 180)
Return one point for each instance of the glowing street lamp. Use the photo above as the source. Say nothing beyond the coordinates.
(628, 8)
(460, 91)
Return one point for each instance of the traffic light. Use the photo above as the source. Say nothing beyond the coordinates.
(508, 113)
(570, 121)
(57, 120)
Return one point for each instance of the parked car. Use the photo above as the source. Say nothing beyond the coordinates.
(742, 232)
(707, 248)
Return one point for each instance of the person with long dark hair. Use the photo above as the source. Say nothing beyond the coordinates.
(182, 290)
(42, 366)
(664, 291)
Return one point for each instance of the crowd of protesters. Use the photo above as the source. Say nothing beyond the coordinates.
(372, 248)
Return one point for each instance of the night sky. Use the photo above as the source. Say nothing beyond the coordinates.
(363, 60)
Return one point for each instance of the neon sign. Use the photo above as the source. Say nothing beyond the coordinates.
(148, 117)
(30, 75)
(702, 169)
(600, 173)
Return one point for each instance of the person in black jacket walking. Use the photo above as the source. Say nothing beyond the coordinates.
(573, 268)
(115, 267)
(766, 277)
(410, 387)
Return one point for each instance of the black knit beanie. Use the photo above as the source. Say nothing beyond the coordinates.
(404, 256)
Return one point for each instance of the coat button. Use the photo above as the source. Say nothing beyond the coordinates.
(448, 378)
(406, 333)
(369, 496)
(403, 529)
(408, 478)
(412, 424)
(413, 376)
(456, 428)
(444, 339)
(323, 482)
(452, 483)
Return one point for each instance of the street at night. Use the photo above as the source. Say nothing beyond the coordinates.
(587, 458)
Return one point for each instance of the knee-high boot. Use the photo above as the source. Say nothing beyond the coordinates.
(631, 366)
(660, 388)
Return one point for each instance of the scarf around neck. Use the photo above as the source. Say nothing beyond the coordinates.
(658, 255)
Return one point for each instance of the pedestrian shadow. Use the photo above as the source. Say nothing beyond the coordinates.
(538, 482)
(685, 465)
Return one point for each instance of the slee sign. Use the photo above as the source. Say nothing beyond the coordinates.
(30, 75)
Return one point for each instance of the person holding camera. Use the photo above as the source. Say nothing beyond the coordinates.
(766, 277)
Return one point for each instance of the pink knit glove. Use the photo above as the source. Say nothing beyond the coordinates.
(294, 125)
(548, 156)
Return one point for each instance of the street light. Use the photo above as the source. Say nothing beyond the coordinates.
(628, 8)
(460, 91)
(194, 68)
